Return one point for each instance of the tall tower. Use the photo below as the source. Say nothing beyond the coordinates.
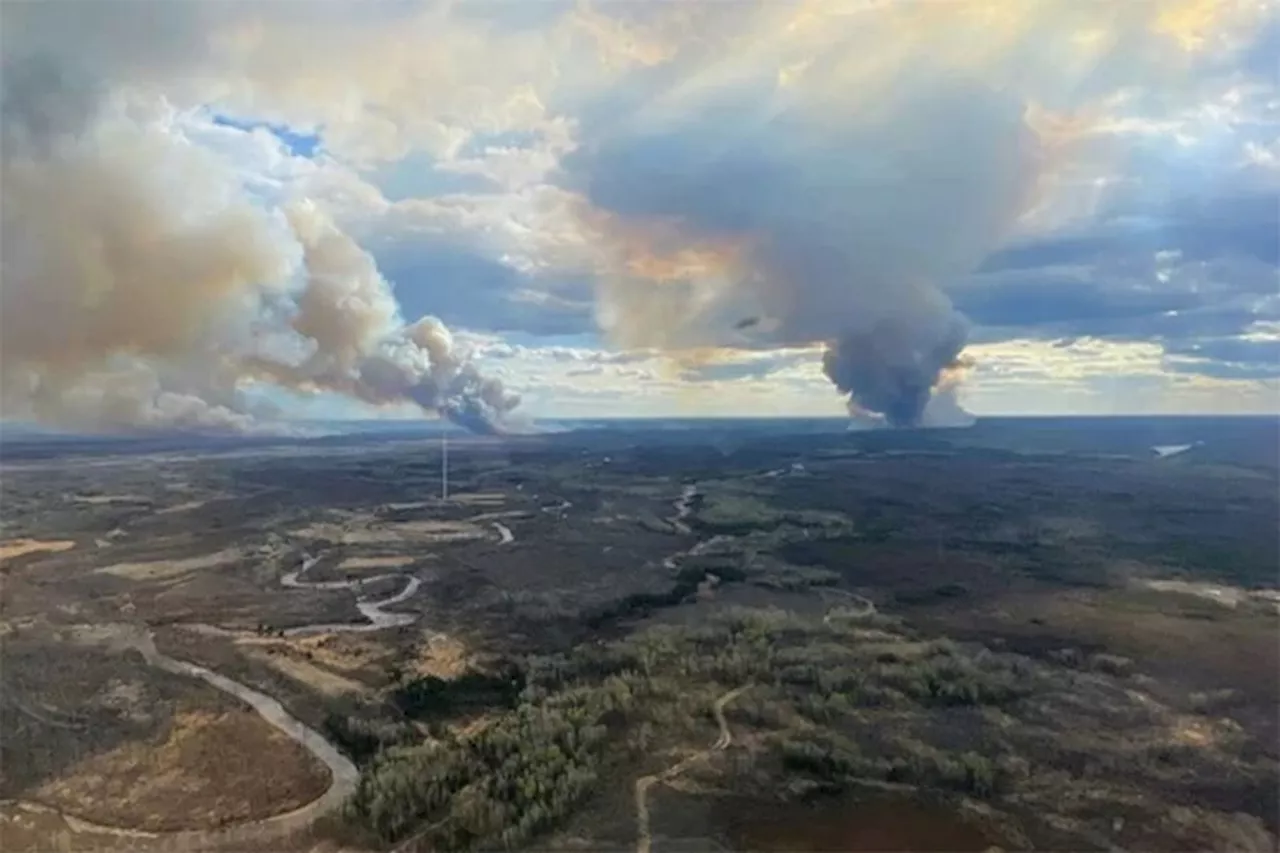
(444, 462)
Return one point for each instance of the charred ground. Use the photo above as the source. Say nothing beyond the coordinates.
(1029, 633)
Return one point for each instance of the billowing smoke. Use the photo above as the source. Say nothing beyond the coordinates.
(832, 178)
(361, 348)
(892, 368)
(838, 229)
(142, 287)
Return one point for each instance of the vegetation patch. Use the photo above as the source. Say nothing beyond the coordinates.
(207, 770)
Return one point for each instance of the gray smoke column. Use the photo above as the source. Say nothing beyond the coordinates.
(142, 288)
(833, 216)
(891, 369)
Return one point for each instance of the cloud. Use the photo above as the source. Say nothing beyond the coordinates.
(888, 181)
(736, 365)
(1229, 357)
(144, 286)
(838, 173)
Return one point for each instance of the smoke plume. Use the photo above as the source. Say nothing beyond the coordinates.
(891, 369)
(845, 166)
(828, 228)
(141, 286)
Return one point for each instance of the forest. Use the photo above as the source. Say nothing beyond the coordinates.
(528, 761)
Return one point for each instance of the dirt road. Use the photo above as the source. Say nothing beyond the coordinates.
(862, 607)
(644, 837)
(252, 835)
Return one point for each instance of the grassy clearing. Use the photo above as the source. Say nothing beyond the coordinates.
(160, 569)
(15, 548)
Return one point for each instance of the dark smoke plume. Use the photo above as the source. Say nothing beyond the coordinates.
(885, 371)
(830, 228)
(835, 170)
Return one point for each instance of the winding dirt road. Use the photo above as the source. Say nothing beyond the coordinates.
(251, 834)
(343, 774)
(860, 607)
(644, 836)
(863, 606)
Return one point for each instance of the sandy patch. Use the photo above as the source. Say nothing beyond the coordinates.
(398, 507)
(486, 499)
(97, 500)
(353, 563)
(21, 547)
(1163, 451)
(344, 652)
(357, 533)
(105, 542)
(441, 656)
(210, 769)
(498, 516)
(1193, 732)
(324, 681)
(439, 528)
(1227, 596)
(470, 728)
(156, 569)
(1202, 732)
(182, 507)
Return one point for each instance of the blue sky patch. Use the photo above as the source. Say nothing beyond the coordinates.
(299, 144)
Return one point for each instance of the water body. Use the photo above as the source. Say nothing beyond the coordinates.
(1163, 450)
(371, 610)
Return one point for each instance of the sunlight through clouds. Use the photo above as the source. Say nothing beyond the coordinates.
(781, 207)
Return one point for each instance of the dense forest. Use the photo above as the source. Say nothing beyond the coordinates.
(546, 730)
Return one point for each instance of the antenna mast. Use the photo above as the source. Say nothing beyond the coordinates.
(444, 462)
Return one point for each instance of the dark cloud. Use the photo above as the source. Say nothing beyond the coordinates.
(1234, 350)
(1183, 253)
(1203, 228)
(1224, 369)
(1184, 249)
(1199, 316)
(1062, 300)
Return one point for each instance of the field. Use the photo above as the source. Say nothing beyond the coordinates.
(778, 636)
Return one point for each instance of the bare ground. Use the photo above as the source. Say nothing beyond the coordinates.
(211, 769)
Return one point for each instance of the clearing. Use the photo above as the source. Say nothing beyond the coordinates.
(211, 769)
(21, 547)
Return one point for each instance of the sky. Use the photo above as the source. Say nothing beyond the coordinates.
(220, 212)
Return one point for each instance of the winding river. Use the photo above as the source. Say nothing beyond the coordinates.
(372, 611)
(343, 773)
